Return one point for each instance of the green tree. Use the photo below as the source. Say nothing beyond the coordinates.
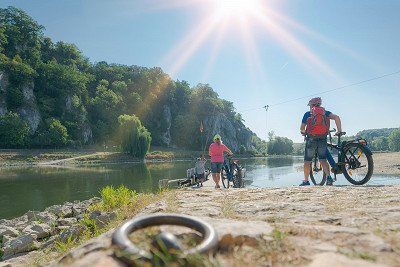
(380, 143)
(133, 136)
(280, 146)
(14, 132)
(52, 133)
(394, 140)
(57, 134)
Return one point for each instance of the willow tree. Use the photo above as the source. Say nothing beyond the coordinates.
(133, 136)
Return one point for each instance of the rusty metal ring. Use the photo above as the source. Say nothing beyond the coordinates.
(121, 240)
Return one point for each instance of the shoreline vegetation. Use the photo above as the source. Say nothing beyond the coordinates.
(49, 157)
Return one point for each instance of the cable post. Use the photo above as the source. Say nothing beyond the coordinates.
(266, 122)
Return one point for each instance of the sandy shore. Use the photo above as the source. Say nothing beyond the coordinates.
(387, 163)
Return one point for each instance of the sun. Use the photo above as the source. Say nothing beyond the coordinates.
(232, 9)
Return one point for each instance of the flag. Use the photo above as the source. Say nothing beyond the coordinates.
(201, 127)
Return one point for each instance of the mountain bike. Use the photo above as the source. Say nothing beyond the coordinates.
(232, 173)
(354, 161)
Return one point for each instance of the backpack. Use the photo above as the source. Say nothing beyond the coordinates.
(317, 123)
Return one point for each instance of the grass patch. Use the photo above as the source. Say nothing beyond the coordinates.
(279, 235)
(62, 247)
(90, 225)
(114, 198)
(365, 256)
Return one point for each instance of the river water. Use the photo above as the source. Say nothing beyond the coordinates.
(35, 188)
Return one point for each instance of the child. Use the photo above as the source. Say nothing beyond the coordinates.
(200, 169)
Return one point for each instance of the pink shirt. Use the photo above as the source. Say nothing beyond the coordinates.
(216, 152)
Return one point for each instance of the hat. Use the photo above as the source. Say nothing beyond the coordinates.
(217, 137)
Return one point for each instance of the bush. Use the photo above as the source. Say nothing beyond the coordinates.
(14, 131)
(133, 136)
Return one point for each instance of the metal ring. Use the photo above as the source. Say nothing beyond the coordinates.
(121, 240)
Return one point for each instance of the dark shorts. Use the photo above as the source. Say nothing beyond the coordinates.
(200, 176)
(313, 146)
(216, 167)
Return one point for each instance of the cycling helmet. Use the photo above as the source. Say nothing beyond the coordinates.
(316, 101)
(217, 137)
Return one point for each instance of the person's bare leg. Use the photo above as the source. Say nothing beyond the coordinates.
(325, 167)
(216, 178)
(307, 169)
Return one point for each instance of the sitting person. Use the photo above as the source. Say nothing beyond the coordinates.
(195, 175)
(200, 170)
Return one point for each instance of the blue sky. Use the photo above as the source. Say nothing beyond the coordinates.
(333, 43)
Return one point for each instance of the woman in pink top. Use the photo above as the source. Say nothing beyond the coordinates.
(216, 152)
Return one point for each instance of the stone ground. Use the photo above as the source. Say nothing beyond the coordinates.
(313, 226)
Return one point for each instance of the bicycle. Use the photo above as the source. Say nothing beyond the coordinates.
(354, 161)
(232, 173)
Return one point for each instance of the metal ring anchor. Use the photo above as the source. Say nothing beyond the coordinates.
(121, 240)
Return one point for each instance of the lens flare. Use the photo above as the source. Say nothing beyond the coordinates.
(231, 9)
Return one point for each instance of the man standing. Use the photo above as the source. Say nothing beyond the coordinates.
(315, 126)
(216, 152)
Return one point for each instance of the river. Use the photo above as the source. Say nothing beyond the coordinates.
(35, 188)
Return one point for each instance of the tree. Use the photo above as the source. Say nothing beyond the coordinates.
(14, 132)
(380, 143)
(52, 133)
(57, 134)
(394, 140)
(280, 146)
(133, 136)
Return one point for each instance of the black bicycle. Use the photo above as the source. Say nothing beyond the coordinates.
(354, 161)
(232, 173)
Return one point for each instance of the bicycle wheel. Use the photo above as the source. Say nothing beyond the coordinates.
(238, 181)
(358, 164)
(317, 174)
(224, 178)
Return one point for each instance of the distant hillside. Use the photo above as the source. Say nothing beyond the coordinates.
(382, 139)
(51, 95)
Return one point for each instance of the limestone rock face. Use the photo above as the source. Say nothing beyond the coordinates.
(166, 123)
(233, 134)
(29, 110)
(3, 90)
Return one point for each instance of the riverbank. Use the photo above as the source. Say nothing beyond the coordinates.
(51, 157)
(314, 226)
(387, 163)
(54, 157)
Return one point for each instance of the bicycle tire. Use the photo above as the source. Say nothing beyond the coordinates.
(238, 177)
(370, 162)
(317, 169)
(224, 178)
